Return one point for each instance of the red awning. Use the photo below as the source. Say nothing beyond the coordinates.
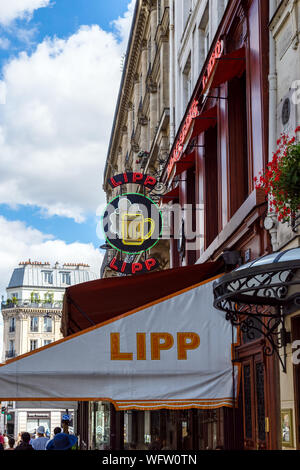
(94, 302)
(170, 196)
(185, 163)
(227, 67)
(204, 121)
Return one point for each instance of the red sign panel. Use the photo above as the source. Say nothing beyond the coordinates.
(133, 268)
(212, 62)
(177, 152)
(136, 178)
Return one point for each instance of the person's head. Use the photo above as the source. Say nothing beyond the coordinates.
(40, 431)
(11, 442)
(25, 436)
(56, 431)
(62, 441)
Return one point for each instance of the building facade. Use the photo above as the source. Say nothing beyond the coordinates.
(140, 134)
(220, 145)
(168, 46)
(31, 320)
(284, 113)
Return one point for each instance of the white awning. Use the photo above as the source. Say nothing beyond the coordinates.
(173, 353)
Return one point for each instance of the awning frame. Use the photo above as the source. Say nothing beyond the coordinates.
(256, 298)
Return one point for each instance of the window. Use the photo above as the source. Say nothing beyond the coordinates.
(211, 186)
(66, 278)
(238, 143)
(149, 53)
(187, 10)
(133, 118)
(49, 297)
(48, 277)
(158, 11)
(203, 37)
(206, 41)
(47, 325)
(35, 297)
(187, 83)
(11, 350)
(12, 325)
(34, 324)
(33, 344)
(47, 341)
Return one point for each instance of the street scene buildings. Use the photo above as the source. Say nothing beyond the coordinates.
(32, 319)
(206, 132)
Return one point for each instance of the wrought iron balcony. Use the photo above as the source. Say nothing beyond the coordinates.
(28, 304)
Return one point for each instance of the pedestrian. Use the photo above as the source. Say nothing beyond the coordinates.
(11, 444)
(24, 445)
(40, 442)
(62, 441)
(1, 439)
(55, 431)
(5, 438)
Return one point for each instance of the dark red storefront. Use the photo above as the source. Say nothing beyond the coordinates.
(212, 166)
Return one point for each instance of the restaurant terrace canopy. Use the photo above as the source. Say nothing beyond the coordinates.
(156, 342)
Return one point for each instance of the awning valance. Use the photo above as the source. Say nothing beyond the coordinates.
(94, 302)
(170, 196)
(185, 163)
(174, 352)
(207, 118)
(227, 67)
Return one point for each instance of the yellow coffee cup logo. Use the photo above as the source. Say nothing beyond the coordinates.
(134, 228)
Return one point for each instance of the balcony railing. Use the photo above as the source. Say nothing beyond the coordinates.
(27, 303)
(12, 329)
(9, 354)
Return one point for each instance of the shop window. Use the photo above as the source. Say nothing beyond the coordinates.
(211, 186)
(238, 143)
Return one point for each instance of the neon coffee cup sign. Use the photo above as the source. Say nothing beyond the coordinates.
(132, 224)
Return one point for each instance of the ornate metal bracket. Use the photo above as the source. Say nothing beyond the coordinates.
(270, 326)
(257, 297)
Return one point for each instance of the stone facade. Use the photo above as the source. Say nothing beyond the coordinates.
(32, 319)
(284, 92)
(140, 134)
(32, 312)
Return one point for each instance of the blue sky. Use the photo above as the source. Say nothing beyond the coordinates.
(63, 18)
(60, 69)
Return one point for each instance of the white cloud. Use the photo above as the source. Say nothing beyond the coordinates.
(55, 126)
(4, 43)
(123, 23)
(19, 242)
(23, 9)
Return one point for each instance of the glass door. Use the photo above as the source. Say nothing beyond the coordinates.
(253, 388)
